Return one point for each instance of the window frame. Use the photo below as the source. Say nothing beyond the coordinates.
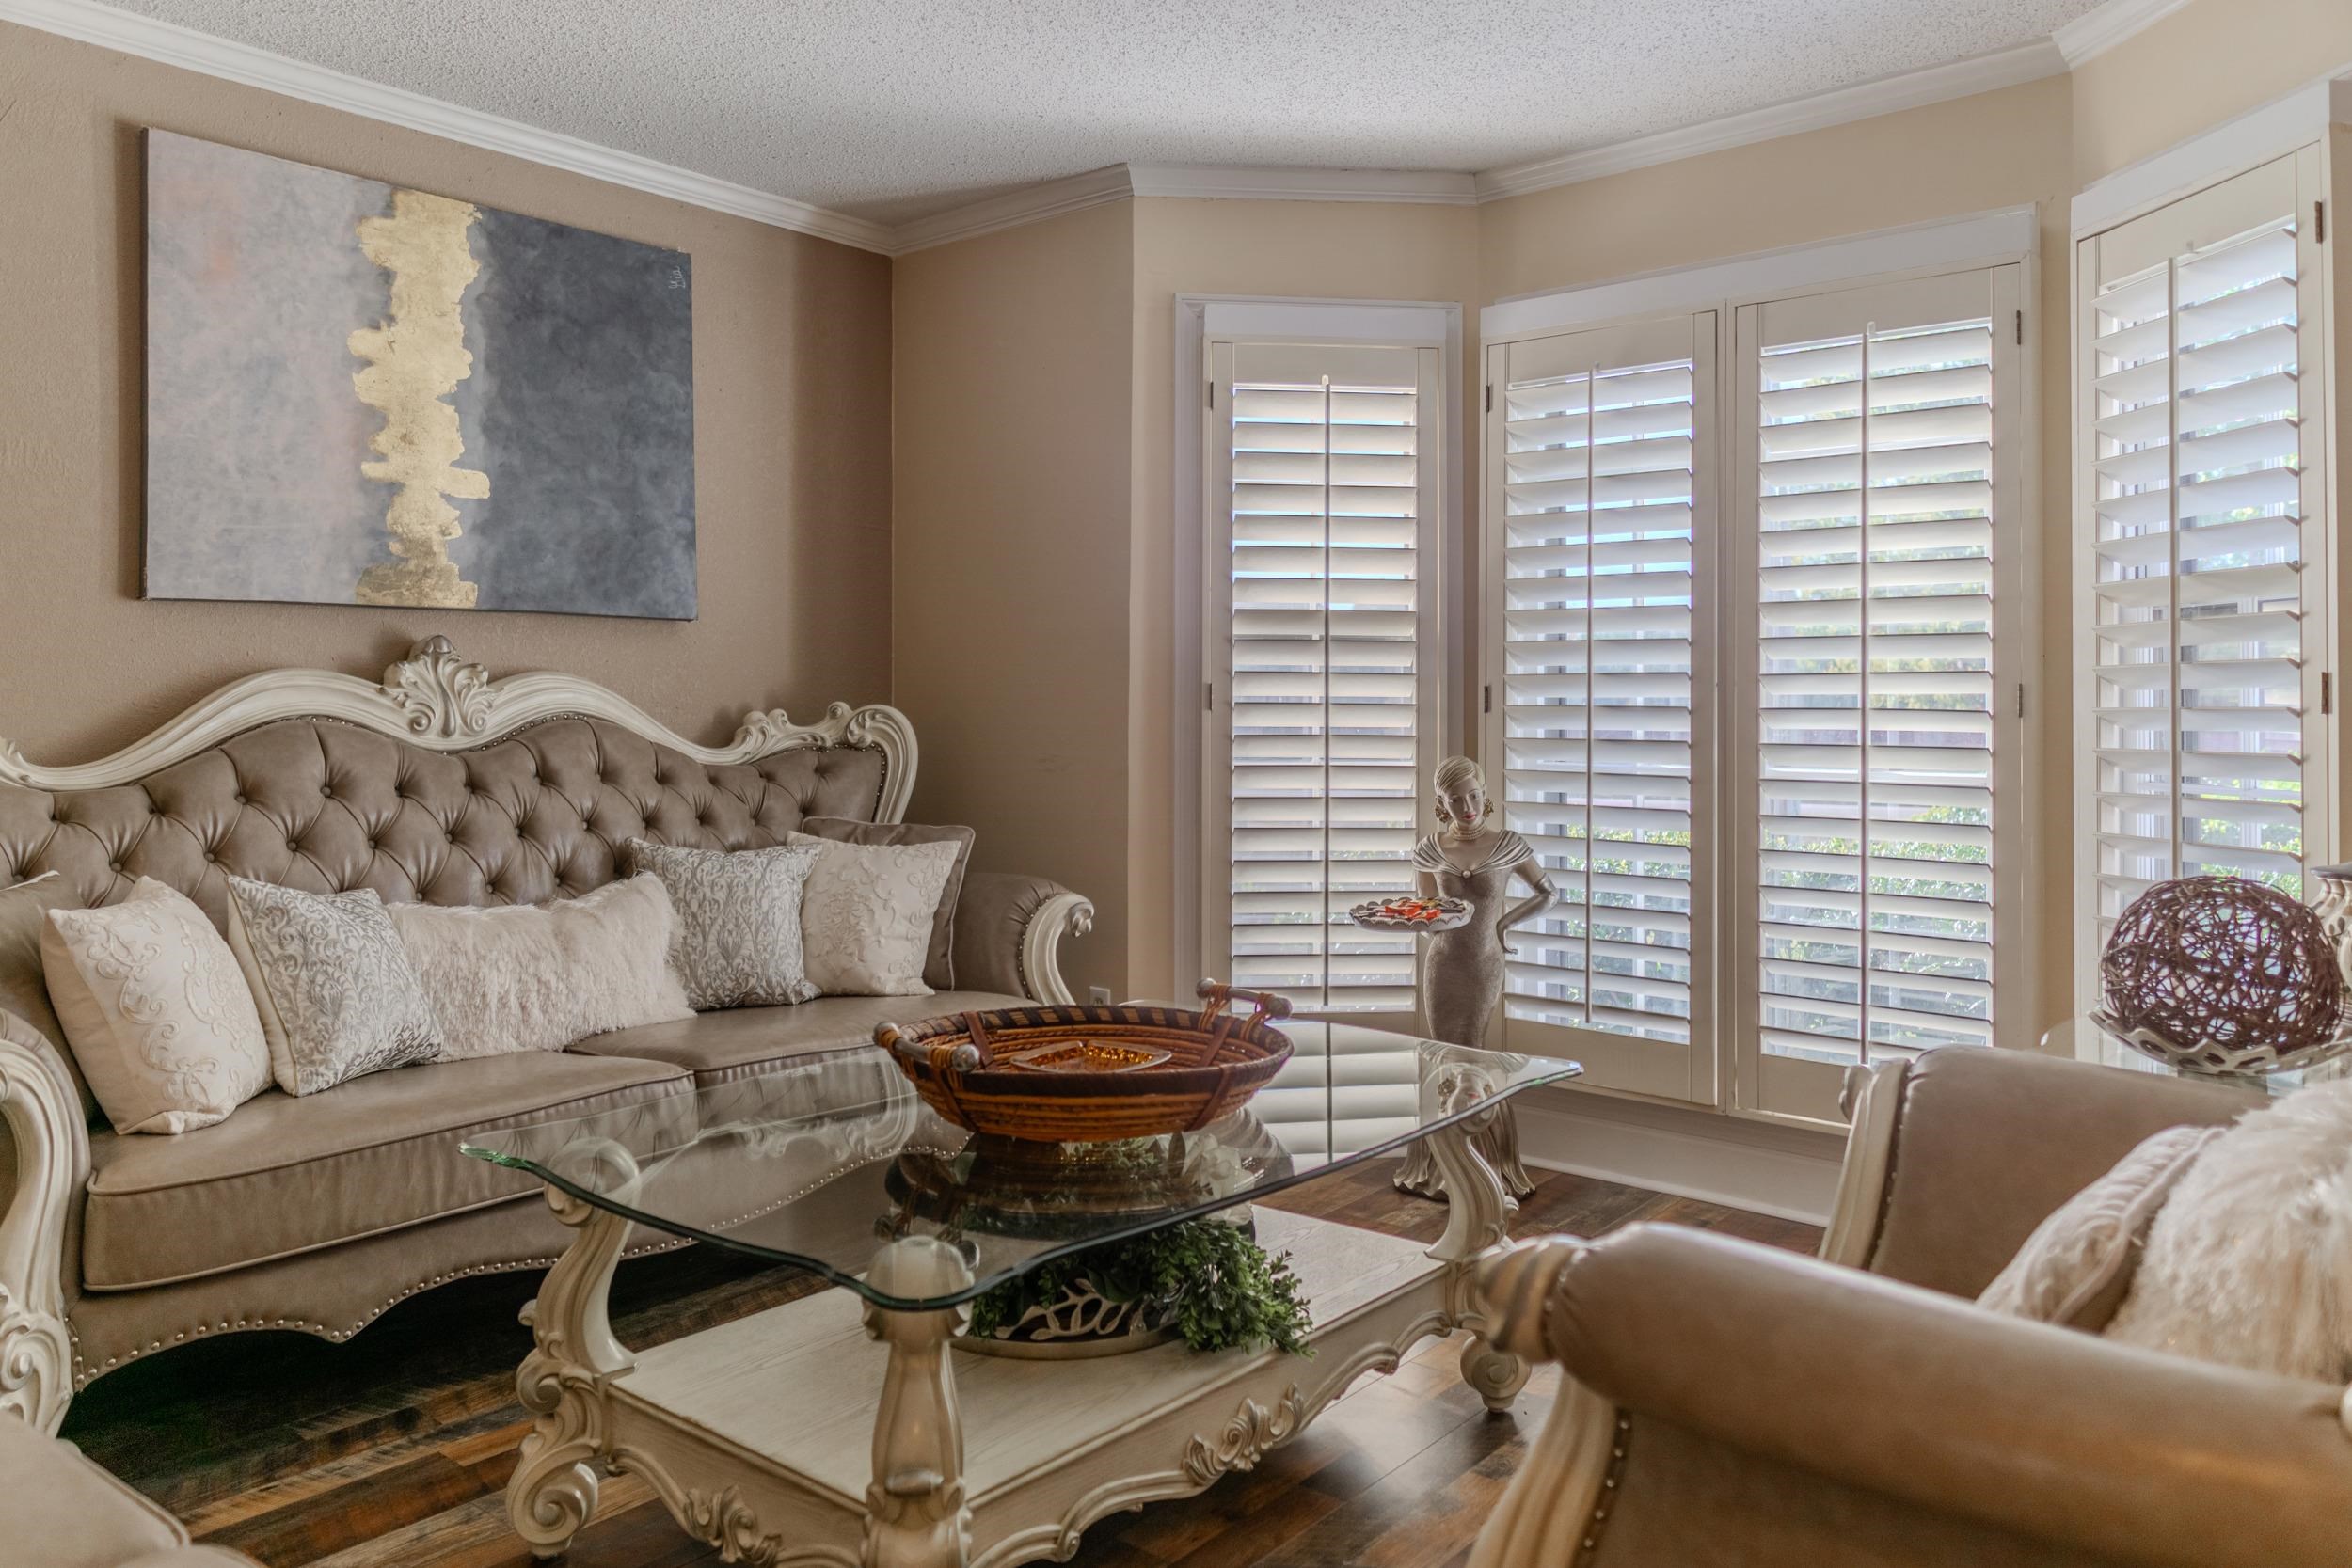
(1661, 1070)
(2214, 164)
(1407, 324)
(1347, 331)
(1733, 1076)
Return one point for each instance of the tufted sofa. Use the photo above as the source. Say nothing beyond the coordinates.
(442, 787)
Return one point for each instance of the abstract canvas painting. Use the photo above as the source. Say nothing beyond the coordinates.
(362, 394)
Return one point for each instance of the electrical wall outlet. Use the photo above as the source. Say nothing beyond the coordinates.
(1099, 995)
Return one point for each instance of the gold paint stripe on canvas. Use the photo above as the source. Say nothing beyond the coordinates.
(416, 358)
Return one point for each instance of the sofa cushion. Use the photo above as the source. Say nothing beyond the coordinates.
(284, 1175)
(717, 1047)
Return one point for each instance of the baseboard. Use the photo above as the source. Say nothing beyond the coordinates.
(1787, 1172)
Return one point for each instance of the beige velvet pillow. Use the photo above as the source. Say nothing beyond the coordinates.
(2075, 1267)
(865, 923)
(156, 1010)
(537, 977)
(939, 964)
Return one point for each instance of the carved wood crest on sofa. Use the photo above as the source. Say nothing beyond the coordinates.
(439, 784)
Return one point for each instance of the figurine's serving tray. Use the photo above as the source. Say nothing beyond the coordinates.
(1380, 914)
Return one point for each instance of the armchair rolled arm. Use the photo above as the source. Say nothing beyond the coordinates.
(1008, 934)
(45, 1146)
(1956, 1157)
(2048, 1432)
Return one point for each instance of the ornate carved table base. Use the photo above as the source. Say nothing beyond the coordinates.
(755, 1434)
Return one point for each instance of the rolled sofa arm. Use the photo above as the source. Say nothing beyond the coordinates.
(1008, 933)
(2047, 1432)
(47, 1152)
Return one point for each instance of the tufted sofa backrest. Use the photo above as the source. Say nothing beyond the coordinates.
(325, 807)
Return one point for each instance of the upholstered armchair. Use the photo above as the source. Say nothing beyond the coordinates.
(1726, 1404)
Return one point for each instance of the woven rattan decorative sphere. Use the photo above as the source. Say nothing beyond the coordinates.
(2222, 963)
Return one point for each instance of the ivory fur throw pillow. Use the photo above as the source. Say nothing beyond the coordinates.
(537, 977)
(155, 1010)
(868, 916)
(338, 996)
(738, 937)
(2249, 1263)
(2074, 1270)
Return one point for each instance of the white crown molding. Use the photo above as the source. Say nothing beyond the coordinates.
(2089, 37)
(2028, 62)
(173, 45)
(1030, 204)
(1435, 187)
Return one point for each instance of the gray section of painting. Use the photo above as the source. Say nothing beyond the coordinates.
(580, 408)
(254, 434)
(579, 404)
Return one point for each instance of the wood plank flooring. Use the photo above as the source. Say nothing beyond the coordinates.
(390, 1451)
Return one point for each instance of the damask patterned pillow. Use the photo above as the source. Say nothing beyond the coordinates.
(156, 1013)
(338, 996)
(737, 940)
(869, 913)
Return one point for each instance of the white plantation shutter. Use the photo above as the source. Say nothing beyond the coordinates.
(2204, 598)
(1877, 434)
(1600, 499)
(1322, 675)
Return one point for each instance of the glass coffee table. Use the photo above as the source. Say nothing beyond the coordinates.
(851, 1426)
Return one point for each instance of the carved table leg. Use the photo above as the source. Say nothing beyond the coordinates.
(1499, 1144)
(553, 1492)
(1478, 1220)
(916, 1512)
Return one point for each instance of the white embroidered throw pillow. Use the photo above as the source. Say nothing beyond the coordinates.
(537, 977)
(2249, 1263)
(338, 996)
(867, 918)
(736, 943)
(155, 1010)
(2075, 1267)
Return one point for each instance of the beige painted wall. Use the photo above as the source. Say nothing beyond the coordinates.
(1319, 250)
(1996, 149)
(792, 409)
(1011, 556)
(2203, 64)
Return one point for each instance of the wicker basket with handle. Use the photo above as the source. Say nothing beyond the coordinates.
(1092, 1074)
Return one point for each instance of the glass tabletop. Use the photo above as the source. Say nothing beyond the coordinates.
(826, 1159)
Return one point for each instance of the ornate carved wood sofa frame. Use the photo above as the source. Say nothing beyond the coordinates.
(439, 784)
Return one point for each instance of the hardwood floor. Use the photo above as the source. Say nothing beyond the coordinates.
(390, 1451)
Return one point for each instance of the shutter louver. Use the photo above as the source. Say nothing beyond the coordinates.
(1875, 681)
(2201, 641)
(1598, 538)
(1329, 635)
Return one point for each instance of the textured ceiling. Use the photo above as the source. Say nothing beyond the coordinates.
(890, 109)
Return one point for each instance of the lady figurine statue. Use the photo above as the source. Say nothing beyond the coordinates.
(1472, 857)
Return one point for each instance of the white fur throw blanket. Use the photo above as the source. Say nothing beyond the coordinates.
(2249, 1262)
